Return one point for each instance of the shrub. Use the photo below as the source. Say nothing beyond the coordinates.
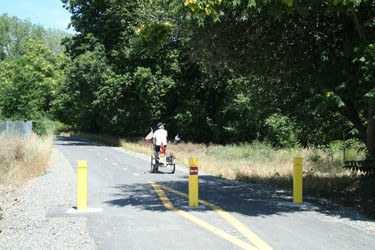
(281, 131)
(21, 160)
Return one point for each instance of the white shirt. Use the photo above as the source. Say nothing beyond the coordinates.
(160, 136)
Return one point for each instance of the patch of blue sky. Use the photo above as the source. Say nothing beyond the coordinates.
(47, 13)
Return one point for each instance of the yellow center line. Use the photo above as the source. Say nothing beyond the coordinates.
(105, 159)
(202, 223)
(252, 237)
(136, 174)
(124, 169)
(114, 163)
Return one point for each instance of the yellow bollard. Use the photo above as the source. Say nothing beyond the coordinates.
(297, 180)
(82, 185)
(193, 183)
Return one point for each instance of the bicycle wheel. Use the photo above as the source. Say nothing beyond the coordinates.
(173, 168)
(152, 165)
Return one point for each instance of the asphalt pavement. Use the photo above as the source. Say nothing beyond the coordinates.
(131, 208)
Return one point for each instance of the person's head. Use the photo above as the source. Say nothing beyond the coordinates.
(160, 125)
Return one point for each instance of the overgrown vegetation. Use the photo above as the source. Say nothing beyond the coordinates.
(30, 60)
(22, 160)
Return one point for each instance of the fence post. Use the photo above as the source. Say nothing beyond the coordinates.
(6, 129)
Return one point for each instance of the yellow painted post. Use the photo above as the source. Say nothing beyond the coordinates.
(82, 185)
(193, 183)
(297, 180)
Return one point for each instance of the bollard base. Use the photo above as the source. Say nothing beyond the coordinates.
(200, 207)
(88, 210)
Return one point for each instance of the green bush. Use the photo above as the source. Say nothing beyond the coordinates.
(44, 126)
(314, 157)
(281, 131)
(62, 127)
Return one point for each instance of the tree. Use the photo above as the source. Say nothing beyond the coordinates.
(324, 49)
(15, 35)
(149, 92)
(233, 85)
(27, 83)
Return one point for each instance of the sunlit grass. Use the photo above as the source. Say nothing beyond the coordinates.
(22, 160)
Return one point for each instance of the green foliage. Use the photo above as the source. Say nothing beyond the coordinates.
(60, 127)
(248, 76)
(30, 57)
(44, 126)
(208, 80)
(281, 131)
(154, 36)
(245, 78)
(27, 83)
(316, 50)
(82, 83)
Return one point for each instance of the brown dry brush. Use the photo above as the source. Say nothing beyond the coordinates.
(22, 160)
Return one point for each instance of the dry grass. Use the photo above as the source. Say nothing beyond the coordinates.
(22, 160)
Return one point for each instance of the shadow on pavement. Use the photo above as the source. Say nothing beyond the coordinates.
(232, 196)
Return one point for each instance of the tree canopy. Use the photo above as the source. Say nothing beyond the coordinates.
(29, 68)
(288, 72)
(319, 51)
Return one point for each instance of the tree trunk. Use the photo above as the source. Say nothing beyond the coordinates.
(369, 137)
(351, 113)
(371, 128)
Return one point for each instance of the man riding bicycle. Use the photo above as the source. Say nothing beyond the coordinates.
(160, 138)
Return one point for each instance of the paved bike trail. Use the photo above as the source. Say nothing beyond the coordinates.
(131, 208)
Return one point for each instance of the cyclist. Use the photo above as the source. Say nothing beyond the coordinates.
(160, 138)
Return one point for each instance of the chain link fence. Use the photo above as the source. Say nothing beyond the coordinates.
(20, 128)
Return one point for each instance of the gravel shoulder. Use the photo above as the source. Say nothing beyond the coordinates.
(27, 222)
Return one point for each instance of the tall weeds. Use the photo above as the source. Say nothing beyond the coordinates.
(21, 160)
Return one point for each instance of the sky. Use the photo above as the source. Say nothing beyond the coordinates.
(48, 13)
